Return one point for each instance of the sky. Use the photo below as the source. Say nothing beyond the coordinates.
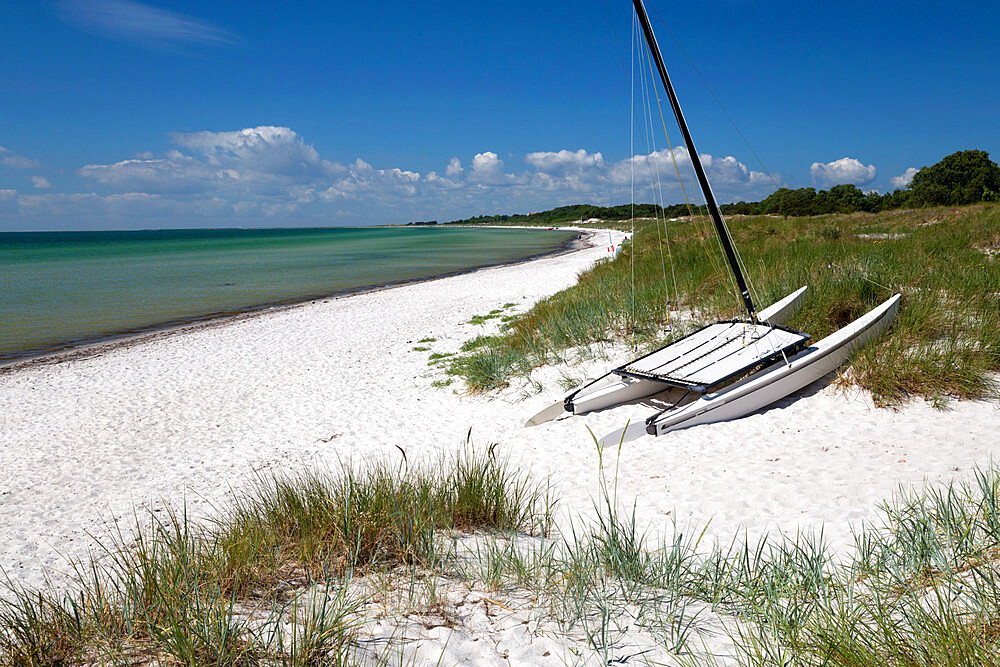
(119, 114)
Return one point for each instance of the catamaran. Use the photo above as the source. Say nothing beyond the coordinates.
(727, 369)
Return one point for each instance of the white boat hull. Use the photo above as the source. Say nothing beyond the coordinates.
(762, 389)
(611, 389)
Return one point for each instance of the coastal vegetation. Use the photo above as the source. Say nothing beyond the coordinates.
(669, 278)
(267, 582)
(294, 570)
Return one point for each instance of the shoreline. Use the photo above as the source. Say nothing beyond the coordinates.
(96, 345)
(96, 436)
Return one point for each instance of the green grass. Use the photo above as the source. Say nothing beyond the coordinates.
(483, 319)
(269, 581)
(420, 348)
(427, 340)
(921, 587)
(944, 343)
(177, 593)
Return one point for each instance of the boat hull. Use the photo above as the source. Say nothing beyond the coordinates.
(611, 389)
(620, 389)
(766, 387)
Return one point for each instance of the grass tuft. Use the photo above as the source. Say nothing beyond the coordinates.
(267, 581)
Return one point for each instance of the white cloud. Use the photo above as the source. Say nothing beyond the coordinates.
(454, 168)
(17, 161)
(842, 171)
(363, 179)
(903, 179)
(487, 169)
(270, 174)
(174, 172)
(263, 159)
(564, 160)
(264, 149)
(41, 182)
(726, 174)
(143, 24)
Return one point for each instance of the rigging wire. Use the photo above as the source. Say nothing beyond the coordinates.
(696, 219)
(657, 188)
(725, 227)
(739, 258)
(711, 92)
(716, 265)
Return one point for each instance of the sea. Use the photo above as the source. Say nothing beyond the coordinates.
(60, 290)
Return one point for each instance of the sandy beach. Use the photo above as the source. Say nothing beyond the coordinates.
(184, 418)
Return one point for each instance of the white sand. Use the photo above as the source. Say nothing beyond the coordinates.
(187, 416)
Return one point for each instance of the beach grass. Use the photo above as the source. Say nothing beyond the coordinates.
(271, 579)
(945, 261)
(268, 580)
(921, 587)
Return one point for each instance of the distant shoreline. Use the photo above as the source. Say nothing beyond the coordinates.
(97, 345)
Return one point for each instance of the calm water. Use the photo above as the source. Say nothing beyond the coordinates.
(59, 289)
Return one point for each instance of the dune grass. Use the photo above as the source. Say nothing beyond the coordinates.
(921, 587)
(177, 592)
(945, 342)
(269, 581)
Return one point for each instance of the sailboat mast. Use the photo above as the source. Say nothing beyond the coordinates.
(699, 170)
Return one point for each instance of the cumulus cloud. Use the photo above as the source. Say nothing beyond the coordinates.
(564, 160)
(40, 182)
(263, 149)
(727, 174)
(11, 159)
(454, 168)
(903, 179)
(364, 179)
(270, 173)
(140, 23)
(174, 172)
(487, 169)
(842, 171)
(258, 159)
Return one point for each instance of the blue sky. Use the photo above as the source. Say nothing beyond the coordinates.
(121, 114)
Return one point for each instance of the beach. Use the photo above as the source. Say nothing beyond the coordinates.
(183, 418)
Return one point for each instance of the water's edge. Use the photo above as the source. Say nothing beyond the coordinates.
(92, 346)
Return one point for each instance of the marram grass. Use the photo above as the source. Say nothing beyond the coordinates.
(921, 588)
(268, 582)
(180, 593)
(946, 262)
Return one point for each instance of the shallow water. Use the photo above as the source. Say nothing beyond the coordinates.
(60, 289)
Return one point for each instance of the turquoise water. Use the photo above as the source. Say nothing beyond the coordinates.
(60, 289)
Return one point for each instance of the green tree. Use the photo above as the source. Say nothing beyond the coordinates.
(846, 198)
(964, 177)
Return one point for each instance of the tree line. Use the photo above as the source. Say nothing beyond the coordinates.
(964, 177)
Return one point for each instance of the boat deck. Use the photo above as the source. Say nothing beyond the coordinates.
(716, 354)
